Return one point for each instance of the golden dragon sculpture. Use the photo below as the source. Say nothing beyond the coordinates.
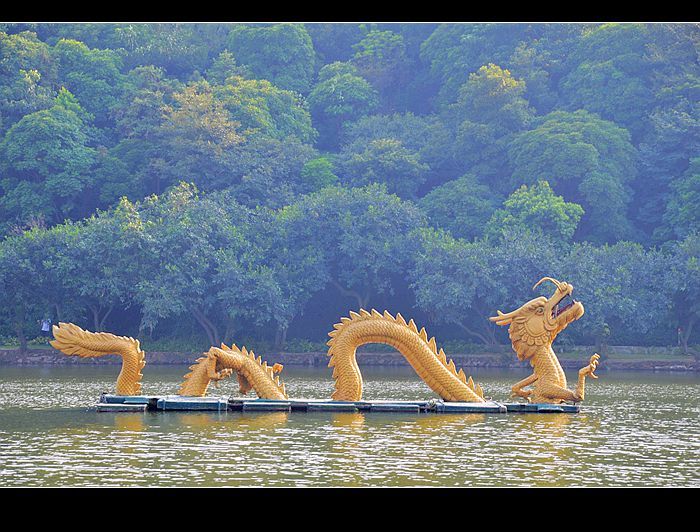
(219, 363)
(533, 328)
(72, 340)
(422, 354)
(215, 365)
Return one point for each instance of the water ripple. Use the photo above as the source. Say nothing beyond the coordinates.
(634, 430)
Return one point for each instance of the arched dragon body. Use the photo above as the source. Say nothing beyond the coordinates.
(216, 364)
(422, 354)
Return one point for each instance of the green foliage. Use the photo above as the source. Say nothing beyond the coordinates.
(100, 285)
(334, 42)
(533, 64)
(673, 138)
(611, 75)
(621, 285)
(93, 75)
(489, 110)
(282, 54)
(225, 66)
(27, 75)
(538, 210)
(318, 173)
(147, 91)
(493, 95)
(360, 235)
(217, 181)
(384, 161)
(265, 164)
(461, 207)
(340, 96)
(273, 277)
(200, 133)
(45, 164)
(337, 68)
(179, 49)
(462, 283)
(587, 160)
(685, 280)
(425, 135)
(380, 57)
(262, 108)
(682, 217)
(179, 264)
(456, 50)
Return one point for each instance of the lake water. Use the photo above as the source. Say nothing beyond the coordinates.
(634, 429)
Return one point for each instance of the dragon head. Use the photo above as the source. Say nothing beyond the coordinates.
(538, 322)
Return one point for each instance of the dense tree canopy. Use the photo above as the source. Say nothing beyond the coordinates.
(46, 164)
(219, 181)
(536, 209)
(27, 76)
(462, 206)
(586, 159)
(282, 54)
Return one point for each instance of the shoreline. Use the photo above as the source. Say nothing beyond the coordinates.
(573, 358)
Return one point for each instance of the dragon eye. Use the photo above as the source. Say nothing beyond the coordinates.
(540, 310)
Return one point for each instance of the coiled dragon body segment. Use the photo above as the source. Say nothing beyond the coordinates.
(72, 340)
(219, 363)
(421, 353)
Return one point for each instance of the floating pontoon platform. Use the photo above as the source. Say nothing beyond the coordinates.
(142, 403)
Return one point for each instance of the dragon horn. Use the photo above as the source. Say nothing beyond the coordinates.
(556, 283)
(503, 319)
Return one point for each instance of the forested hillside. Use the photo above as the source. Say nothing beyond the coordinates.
(197, 183)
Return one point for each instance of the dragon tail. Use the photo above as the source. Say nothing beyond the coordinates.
(72, 340)
(431, 364)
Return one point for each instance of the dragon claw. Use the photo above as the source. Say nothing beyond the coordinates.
(592, 365)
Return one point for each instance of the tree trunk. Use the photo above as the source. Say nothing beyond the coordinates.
(228, 333)
(208, 326)
(488, 328)
(21, 338)
(95, 317)
(104, 318)
(488, 338)
(685, 335)
(280, 337)
(362, 299)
